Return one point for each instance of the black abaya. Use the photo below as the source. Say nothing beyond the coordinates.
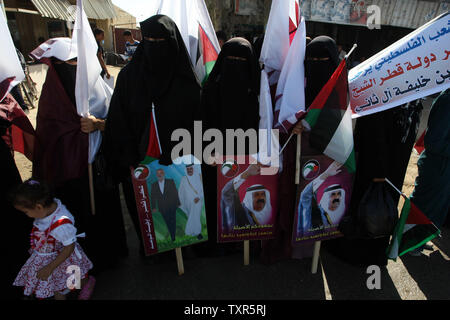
(229, 101)
(383, 144)
(63, 148)
(16, 226)
(160, 74)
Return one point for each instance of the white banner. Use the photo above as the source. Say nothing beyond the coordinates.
(11, 72)
(414, 67)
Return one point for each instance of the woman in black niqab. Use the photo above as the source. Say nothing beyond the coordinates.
(321, 60)
(160, 74)
(230, 96)
(229, 101)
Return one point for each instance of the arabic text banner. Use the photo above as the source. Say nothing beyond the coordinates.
(414, 67)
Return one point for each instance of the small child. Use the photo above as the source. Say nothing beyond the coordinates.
(54, 246)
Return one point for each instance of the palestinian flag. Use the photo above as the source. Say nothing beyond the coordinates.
(197, 30)
(420, 143)
(154, 148)
(206, 55)
(330, 120)
(413, 230)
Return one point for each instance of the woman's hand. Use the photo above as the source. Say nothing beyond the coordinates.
(298, 128)
(91, 124)
(44, 273)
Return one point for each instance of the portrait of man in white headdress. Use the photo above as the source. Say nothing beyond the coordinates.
(190, 194)
(255, 209)
(328, 211)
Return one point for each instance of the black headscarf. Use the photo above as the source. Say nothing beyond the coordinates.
(160, 73)
(318, 72)
(230, 96)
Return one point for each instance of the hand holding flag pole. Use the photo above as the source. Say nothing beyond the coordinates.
(290, 137)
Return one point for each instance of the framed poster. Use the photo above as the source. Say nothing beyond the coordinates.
(323, 198)
(246, 201)
(170, 203)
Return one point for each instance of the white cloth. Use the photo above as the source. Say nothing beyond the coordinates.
(191, 187)
(92, 94)
(9, 61)
(66, 233)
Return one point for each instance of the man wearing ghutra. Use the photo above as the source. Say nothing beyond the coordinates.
(255, 208)
(190, 193)
(328, 211)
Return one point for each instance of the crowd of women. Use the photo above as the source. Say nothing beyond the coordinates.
(161, 75)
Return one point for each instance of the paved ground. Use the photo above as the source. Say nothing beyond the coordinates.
(425, 277)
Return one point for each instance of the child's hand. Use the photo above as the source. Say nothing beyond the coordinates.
(44, 273)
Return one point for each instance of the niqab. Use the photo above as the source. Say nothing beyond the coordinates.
(160, 75)
(318, 72)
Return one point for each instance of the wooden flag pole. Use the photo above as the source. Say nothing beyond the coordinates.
(246, 252)
(91, 188)
(297, 158)
(315, 261)
(180, 264)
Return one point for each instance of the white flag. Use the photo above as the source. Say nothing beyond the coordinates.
(11, 72)
(92, 94)
(281, 30)
(290, 96)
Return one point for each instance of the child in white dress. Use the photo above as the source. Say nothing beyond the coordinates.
(56, 260)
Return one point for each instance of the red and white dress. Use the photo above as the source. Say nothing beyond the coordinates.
(48, 237)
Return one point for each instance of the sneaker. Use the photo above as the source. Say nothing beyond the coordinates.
(428, 247)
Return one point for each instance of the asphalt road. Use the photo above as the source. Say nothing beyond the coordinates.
(134, 278)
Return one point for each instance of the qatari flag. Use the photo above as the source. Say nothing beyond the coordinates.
(11, 72)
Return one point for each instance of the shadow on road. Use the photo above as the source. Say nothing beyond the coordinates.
(432, 273)
(348, 282)
(206, 278)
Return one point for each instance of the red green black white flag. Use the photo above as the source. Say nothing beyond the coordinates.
(413, 230)
(330, 119)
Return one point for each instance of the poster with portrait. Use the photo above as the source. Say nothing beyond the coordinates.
(246, 201)
(323, 198)
(170, 203)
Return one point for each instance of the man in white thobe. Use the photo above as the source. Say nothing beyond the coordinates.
(190, 193)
